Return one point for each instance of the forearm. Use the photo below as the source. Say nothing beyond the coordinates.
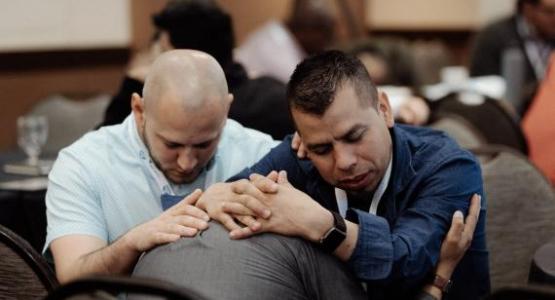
(346, 248)
(322, 222)
(116, 258)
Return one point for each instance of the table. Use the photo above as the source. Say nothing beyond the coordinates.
(23, 210)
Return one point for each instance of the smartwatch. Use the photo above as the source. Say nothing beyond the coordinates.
(335, 235)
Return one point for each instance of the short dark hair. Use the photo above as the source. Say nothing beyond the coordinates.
(199, 25)
(315, 81)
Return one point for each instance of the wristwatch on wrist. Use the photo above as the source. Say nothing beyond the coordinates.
(335, 235)
(442, 283)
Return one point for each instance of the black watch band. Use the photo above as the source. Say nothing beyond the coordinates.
(335, 235)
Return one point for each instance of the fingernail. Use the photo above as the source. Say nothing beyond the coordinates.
(458, 214)
(266, 214)
(206, 218)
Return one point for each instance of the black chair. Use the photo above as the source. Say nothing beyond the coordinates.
(493, 120)
(520, 213)
(109, 287)
(24, 274)
(524, 292)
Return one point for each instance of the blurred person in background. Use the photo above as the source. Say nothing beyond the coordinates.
(202, 25)
(538, 125)
(277, 47)
(526, 38)
(391, 66)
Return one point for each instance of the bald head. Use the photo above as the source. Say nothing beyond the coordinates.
(183, 112)
(190, 79)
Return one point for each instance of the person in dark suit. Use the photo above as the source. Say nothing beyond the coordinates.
(520, 43)
(259, 103)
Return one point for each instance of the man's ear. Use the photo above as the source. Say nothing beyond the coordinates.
(138, 109)
(384, 109)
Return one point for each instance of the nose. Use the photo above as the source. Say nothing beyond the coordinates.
(187, 159)
(345, 157)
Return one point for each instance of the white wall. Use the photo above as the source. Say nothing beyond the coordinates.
(27, 25)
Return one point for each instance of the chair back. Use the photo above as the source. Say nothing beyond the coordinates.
(520, 213)
(462, 131)
(24, 274)
(69, 119)
(490, 117)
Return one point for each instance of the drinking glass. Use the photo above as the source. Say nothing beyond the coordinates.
(32, 132)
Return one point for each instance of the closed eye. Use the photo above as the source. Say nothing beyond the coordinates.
(355, 137)
(171, 145)
(320, 149)
(204, 145)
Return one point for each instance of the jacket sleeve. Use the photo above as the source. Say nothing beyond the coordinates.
(409, 248)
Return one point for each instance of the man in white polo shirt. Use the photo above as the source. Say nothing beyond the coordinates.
(108, 191)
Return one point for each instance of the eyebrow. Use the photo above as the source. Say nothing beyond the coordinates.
(343, 137)
(165, 140)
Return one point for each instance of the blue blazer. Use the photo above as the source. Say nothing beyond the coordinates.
(396, 251)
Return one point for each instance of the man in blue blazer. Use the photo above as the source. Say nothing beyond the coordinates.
(379, 196)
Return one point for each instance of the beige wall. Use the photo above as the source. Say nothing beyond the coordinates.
(434, 14)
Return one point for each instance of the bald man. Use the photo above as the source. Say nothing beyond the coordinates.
(112, 194)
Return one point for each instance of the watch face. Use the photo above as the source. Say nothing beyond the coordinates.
(335, 236)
